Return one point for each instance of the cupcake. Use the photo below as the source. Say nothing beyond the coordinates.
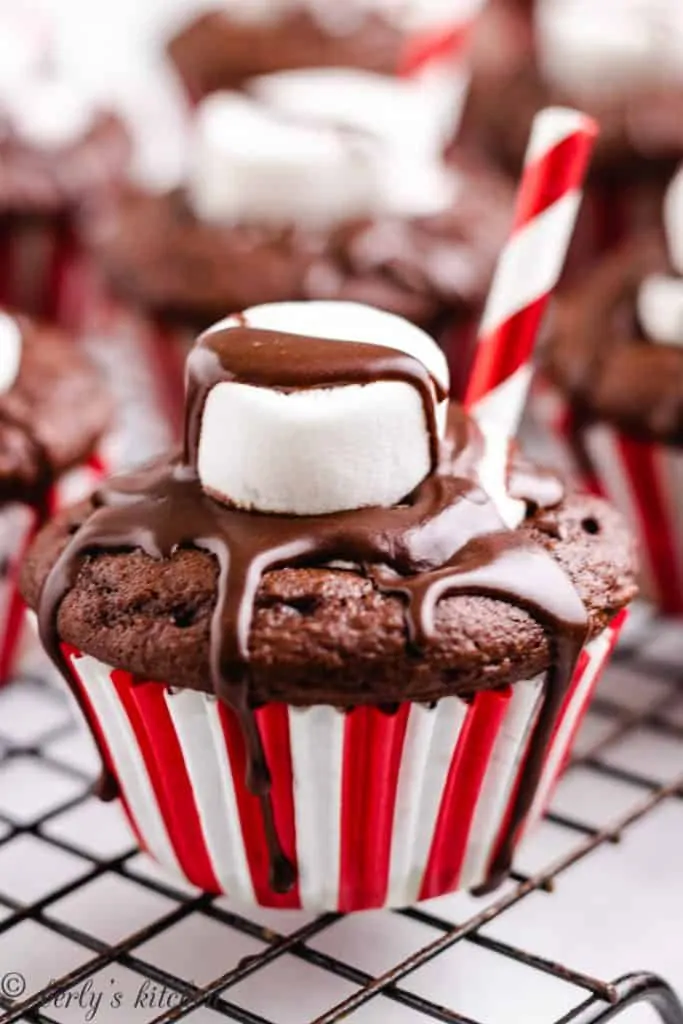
(620, 62)
(612, 392)
(59, 150)
(53, 412)
(317, 185)
(335, 652)
(225, 45)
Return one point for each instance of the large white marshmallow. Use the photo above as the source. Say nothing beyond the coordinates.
(10, 351)
(249, 165)
(660, 308)
(612, 46)
(311, 452)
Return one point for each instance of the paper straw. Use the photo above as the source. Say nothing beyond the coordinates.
(529, 267)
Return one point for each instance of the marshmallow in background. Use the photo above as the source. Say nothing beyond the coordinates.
(10, 351)
(405, 114)
(23, 48)
(607, 48)
(256, 164)
(249, 165)
(673, 219)
(321, 450)
(49, 112)
(660, 308)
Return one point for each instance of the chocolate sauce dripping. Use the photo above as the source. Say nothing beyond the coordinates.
(446, 538)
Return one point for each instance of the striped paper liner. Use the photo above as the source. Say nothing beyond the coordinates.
(19, 649)
(375, 809)
(643, 479)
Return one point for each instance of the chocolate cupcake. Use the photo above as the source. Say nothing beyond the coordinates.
(289, 199)
(53, 412)
(222, 48)
(335, 651)
(59, 150)
(614, 393)
(619, 62)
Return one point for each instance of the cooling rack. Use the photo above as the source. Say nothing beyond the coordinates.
(91, 930)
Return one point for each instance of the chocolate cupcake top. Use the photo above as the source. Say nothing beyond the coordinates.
(615, 345)
(53, 408)
(222, 48)
(356, 539)
(44, 168)
(285, 203)
(619, 62)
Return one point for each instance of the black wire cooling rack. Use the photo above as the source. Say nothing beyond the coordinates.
(57, 855)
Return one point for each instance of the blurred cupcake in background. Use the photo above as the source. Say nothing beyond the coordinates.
(224, 44)
(54, 410)
(612, 391)
(59, 151)
(619, 60)
(314, 184)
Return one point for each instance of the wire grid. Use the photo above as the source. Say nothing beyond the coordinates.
(39, 736)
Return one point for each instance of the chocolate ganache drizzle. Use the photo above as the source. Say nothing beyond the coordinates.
(444, 539)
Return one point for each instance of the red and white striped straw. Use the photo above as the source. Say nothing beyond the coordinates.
(530, 265)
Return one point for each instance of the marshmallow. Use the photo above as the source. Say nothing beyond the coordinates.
(321, 450)
(336, 17)
(673, 219)
(10, 351)
(403, 113)
(48, 112)
(249, 165)
(22, 49)
(660, 308)
(610, 47)
(254, 163)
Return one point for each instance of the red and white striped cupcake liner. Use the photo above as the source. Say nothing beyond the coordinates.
(375, 809)
(18, 527)
(643, 479)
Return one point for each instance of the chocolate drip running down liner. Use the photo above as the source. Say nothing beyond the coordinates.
(445, 538)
